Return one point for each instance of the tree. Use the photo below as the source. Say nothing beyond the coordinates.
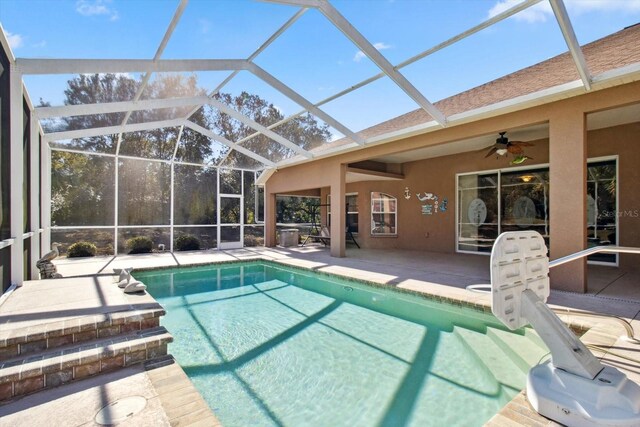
(305, 131)
(84, 185)
(294, 209)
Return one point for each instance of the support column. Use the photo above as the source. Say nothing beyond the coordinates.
(116, 195)
(324, 192)
(35, 193)
(269, 218)
(568, 197)
(16, 205)
(171, 219)
(45, 196)
(338, 210)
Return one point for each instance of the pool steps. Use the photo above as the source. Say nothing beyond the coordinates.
(54, 353)
(523, 352)
(33, 339)
(506, 356)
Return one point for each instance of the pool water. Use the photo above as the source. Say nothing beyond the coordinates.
(271, 346)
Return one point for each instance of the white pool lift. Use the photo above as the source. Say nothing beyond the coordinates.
(572, 388)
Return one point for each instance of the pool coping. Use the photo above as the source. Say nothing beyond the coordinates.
(601, 331)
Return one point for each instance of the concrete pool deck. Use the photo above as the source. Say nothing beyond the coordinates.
(442, 276)
(611, 291)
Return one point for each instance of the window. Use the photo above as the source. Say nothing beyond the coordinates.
(384, 217)
(524, 201)
(352, 212)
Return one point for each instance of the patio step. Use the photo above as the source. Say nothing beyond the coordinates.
(500, 364)
(523, 350)
(27, 374)
(53, 334)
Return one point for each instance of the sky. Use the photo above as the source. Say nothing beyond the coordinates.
(312, 57)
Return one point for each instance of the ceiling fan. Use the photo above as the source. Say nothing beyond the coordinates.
(503, 147)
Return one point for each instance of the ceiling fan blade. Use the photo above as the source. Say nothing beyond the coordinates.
(515, 149)
(521, 143)
(491, 152)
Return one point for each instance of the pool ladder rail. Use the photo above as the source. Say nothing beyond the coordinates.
(613, 249)
(574, 387)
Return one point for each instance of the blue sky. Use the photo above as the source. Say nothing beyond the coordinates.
(312, 56)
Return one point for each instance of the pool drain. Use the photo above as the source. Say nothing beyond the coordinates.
(120, 410)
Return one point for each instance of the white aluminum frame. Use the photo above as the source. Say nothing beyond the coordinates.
(16, 169)
(31, 66)
(49, 66)
(230, 245)
(560, 12)
(172, 225)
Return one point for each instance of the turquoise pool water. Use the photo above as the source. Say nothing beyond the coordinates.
(270, 346)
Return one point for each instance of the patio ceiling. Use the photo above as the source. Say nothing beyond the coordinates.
(238, 67)
(597, 120)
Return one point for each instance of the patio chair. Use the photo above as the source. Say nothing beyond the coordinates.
(325, 237)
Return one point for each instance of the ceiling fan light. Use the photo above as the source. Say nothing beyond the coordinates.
(501, 151)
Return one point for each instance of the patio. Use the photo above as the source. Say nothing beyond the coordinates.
(611, 290)
(443, 276)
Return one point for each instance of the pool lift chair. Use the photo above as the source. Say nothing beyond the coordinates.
(573, 388)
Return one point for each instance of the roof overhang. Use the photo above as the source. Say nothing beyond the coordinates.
(608, 79)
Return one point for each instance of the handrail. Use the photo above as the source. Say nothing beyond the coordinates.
(594, 250)
(482, 288)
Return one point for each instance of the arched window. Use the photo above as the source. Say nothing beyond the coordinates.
(384, 219)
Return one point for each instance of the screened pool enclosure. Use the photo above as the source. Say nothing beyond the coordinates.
(109, 150)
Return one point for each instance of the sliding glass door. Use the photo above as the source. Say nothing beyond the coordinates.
(493, 202)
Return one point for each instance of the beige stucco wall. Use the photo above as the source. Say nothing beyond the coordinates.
(434, 232)
(437, 232)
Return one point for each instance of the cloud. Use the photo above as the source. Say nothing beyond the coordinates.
(380, 46)
(95, 8)
(41, 43)
(542, 11)
(15, 40)
(205, 25)
(536, 13)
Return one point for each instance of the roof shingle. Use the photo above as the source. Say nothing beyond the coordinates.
(611, 52)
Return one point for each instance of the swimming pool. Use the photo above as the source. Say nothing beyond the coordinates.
(269, 345)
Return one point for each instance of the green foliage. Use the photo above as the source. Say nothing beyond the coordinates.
(83, 187)
(290, 209)
(304, 130)
(187, 242)
(81, 249)
(250, 240)
(139, 245)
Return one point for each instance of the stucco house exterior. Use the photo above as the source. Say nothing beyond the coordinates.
(418, 185)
